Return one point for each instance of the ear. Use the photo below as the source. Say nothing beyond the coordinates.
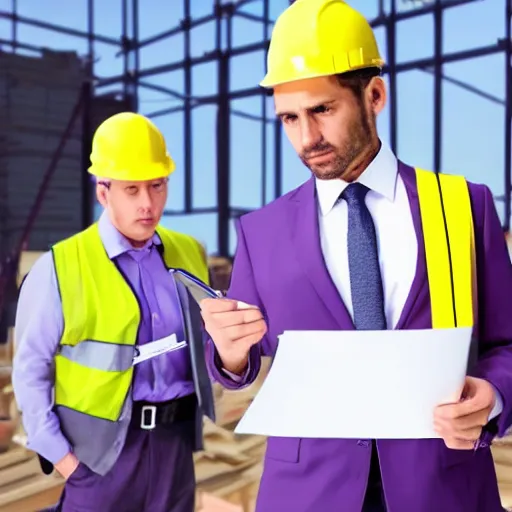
(376, 94)
(101, 194)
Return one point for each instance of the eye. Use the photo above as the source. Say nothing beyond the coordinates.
(131, 190)
(289, 118)
(321, 109)
(158, 186)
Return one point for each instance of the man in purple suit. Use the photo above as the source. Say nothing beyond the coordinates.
(347, 250)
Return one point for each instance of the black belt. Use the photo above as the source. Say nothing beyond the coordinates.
(148, 416)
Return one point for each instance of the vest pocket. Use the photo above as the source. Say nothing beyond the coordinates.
(285, 449)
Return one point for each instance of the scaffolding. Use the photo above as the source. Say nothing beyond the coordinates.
(135, 77)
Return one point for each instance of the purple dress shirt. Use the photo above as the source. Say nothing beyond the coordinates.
(39, 327)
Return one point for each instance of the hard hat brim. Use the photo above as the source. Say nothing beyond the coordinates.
(153, 172)
(269, 82)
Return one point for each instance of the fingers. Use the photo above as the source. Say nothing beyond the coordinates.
(218, 305)
(459, 410)
(447, 430)
(231, 318)
(459, 429)
(453, 415)
(254, 330)
(233, 325)
(458, 444)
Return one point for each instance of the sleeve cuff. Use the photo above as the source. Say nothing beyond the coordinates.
(224, 378)
(238, 378)
(50, 444)
(498, 405)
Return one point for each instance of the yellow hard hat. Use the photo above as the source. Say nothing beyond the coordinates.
(313, 38)
(129, 147)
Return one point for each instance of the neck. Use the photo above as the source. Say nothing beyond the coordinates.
(137, 244)
(363, 161)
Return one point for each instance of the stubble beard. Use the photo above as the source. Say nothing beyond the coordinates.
(345, 158)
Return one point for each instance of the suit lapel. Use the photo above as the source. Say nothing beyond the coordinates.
(306, 242)
(419, 286)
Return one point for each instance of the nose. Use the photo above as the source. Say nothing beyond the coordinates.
(310, 133)
(145, 199)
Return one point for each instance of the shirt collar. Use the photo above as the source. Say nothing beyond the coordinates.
(380, 177)
(114, 242)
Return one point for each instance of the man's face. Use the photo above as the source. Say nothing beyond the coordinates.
(134, 207)
(330, 128)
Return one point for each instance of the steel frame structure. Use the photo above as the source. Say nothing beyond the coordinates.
(134, 77)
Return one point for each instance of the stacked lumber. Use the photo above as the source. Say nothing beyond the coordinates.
(23, 488)
(229, 469)
(502, 454)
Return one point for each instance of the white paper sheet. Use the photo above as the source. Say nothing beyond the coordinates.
(359, 384)
(157, 347)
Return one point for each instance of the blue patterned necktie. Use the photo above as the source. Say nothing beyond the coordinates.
(363, 260)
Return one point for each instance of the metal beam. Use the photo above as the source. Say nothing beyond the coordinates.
(164, 112)
(264, 120)
(56, 28)
(24, 46)
(163, 90)
(253, 17)
(392, 73)
(438, 86)
(508, 115)
(223, 133)
(263, 45)
(467, 87)
(187, 117)
(185, 24)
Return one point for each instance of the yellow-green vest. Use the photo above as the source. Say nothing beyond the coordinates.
(101, 315)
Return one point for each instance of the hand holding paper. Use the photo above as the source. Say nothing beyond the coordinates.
(359, 384)
(234, 328)
(460, 424)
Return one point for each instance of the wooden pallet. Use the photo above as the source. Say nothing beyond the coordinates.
(502, 454)
(23, 487)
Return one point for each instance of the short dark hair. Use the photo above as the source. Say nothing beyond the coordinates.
(358, 80)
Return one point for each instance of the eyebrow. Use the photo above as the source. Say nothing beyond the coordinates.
(308, 109)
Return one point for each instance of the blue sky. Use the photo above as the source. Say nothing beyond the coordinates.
(473, 127)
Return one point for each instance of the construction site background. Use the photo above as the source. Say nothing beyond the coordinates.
(450, 108)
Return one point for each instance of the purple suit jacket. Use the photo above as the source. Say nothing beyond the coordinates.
(279, 267)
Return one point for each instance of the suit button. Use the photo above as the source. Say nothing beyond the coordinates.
(483, 444)
(363, 443)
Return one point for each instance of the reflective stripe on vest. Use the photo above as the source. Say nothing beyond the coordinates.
(449, 248)
(93, 366)
(98, 355)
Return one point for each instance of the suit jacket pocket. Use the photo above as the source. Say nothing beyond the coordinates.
(285, 449)
(452, 457)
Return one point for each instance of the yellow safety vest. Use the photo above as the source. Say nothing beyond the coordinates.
(93, 368)
(448, 232)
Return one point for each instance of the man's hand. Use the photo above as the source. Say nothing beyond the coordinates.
(67, 465)
(234, 328)
(460, 424)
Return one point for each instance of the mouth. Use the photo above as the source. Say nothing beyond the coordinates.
(320, 157)
(147, 222)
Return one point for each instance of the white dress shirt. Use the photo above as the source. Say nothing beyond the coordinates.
(389, 207)
(396, 238)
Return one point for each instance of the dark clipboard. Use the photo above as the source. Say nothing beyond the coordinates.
(197, 289)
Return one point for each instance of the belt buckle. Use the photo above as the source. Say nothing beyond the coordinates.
(152, 417)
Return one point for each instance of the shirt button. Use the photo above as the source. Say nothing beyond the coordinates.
(483, 444)
(363, 443)
(155, 317)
